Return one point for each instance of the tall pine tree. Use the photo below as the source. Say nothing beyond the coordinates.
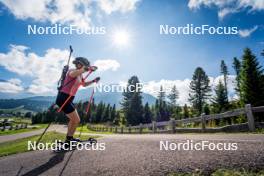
(113, 113)
(199, 89)
(106, 114)
(117, 118)
(252, 89)
(99, 112)
(220, 100)
(132, 102)
(161, 95)
(162, 110)
(147, 114)
(224, 72)
(237, 68)
(185, 111)
(173, 96)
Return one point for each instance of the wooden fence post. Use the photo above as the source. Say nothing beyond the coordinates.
(203, 122)
(122, 130)
(140, 128)
(250, 117)
(173, 125)
(154, 126)
(115, 129)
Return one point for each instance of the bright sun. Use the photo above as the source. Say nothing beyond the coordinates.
(121, 38)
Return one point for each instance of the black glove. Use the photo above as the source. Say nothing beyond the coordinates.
(96, 79)
(86, 68)
(93, 68)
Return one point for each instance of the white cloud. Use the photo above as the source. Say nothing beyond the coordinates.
(109, 6)
(247, 32)
(196, 4)
(15, 81)
(252, 4)
(153, 87)
(226, 7)
(225, 11)
(231, 84)
(76, 12)
(107, 64)
(11, 86)
(43, 70)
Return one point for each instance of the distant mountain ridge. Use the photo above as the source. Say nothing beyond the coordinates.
(41, 103)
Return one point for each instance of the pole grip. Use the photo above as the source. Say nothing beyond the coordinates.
(71, 50)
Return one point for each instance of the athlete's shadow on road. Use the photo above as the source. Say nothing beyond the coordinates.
(56, 159)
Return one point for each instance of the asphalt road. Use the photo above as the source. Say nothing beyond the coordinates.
(140, 155)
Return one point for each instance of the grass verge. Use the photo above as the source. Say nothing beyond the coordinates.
(259, 131)
(20, 145)
(8, 132)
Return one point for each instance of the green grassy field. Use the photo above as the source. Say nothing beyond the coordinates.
(223, 172)
(18, 119)
(20, 109)
(20, 145)
(21, 120)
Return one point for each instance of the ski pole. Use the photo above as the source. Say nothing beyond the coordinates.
(43, 133)
(87, 110)
(71, 50)
(64, 71)
(89, 104)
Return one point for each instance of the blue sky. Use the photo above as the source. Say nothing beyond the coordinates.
(154, 58)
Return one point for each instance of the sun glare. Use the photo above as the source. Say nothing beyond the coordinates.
(121, 38)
